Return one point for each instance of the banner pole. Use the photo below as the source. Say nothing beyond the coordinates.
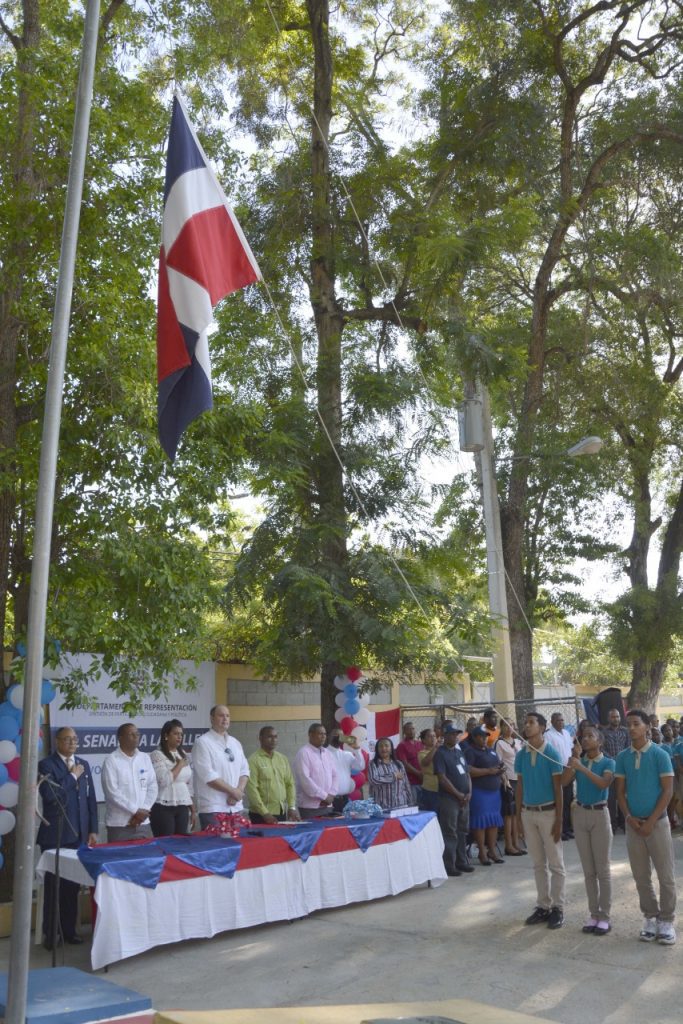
(20, 947)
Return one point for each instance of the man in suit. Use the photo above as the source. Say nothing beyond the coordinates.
(68, 793)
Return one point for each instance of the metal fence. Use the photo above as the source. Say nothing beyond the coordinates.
(427, 716)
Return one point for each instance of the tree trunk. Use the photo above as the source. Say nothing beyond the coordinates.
(648, 672)
(328, 474)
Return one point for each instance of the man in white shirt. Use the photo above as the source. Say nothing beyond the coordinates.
(561, 739)
(130, 788)
(220, 770)
(347, 761)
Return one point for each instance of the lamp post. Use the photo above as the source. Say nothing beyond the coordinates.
(476, 436)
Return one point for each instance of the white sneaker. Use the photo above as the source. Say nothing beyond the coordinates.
(648, 933)
(666, 933)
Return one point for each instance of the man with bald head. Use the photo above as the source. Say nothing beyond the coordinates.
(130, 788)
(220, 769)
(70, 816)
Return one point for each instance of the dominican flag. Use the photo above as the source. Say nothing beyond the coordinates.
(204, 256)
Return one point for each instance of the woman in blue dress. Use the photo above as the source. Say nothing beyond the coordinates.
(486, 770)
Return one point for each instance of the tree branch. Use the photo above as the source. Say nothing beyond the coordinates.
(110, 14)
(14, 39)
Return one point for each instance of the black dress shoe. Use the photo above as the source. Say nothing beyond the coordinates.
(453, 873)
(467, 868)
(539, 916)
(75, 940)
(47, 944)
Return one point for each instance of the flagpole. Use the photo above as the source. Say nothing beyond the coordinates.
(20, 947)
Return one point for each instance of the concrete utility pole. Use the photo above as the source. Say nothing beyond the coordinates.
(476, 435)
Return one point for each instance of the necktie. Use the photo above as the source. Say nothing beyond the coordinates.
(69, 763)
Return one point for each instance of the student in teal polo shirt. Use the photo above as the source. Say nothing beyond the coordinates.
(539, 819)
(644, 781)
(592, 828)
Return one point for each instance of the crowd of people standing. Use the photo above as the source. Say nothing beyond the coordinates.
(533, 789)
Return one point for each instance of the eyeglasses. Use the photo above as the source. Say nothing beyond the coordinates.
(231, 756)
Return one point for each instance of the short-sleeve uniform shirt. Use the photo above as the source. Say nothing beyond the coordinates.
(536, 768)
(642, 771)
(586, 791)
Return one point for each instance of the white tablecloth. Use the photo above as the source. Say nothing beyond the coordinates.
(132, 919)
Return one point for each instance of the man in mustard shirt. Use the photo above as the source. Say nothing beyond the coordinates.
(271, 791)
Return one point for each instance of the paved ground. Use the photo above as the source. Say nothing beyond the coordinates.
(464, 939)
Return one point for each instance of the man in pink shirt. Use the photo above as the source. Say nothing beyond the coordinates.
(407, 752)
(315, 772)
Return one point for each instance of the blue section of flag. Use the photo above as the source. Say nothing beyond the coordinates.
(141, 863)
(412, 824)
(213, 854)
(181, 398)
(183, 153)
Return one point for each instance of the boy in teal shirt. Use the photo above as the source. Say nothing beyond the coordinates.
(644, 780)
(539, 819)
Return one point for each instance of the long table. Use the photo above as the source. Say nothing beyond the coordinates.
(271, 883)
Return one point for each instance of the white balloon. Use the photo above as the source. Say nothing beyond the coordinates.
(362, 716)
(8, 752)
(16, 697)
(341, 681)
(339, 714)
(9, 794)
(7, 822)
(340, 700)
(360, 733)
(364, 700)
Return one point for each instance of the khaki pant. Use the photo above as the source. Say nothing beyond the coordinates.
(593, 835)
(658, 850)
(547, 857)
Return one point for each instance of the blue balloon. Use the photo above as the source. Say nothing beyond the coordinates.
(40, 745)
(6, 708)
(21, 649)
(351, 691)
(351, 707)
(48, 692)
(2, 861)
(4, 774)
(17, 744)
(9, 727)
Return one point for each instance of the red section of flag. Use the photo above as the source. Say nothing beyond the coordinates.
(210, 251)
(171, 348)
(387, 723)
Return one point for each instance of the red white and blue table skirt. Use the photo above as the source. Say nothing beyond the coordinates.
(164, 891)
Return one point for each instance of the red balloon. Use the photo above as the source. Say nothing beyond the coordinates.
(354, 673)
(360, 778)
(13, 769)
(348, 724)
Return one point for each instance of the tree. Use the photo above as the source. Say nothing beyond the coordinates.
(131, 574)
(635, 364)
(595, 73)
(337, 435)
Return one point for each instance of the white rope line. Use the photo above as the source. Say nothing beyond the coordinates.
(526, 743)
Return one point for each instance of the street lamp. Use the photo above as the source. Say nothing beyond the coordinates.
(586, 446)
(476, 436)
